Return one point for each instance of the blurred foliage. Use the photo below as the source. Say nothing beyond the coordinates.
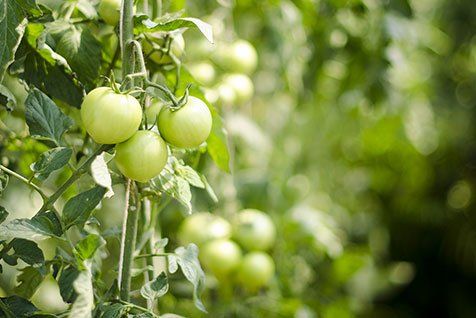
(359, 142)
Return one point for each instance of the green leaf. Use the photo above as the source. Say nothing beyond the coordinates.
(78, 209)
(12, 27)
(7, 99)
(101, 175)
(189, 174)
(17, 307)
(44, 118)
(31, 7)
(161, 243)
(65, 283)
(84, 303)
(26, 250)
(87, 247)
(86, 8)
(82, 51)
(40, 66)
(3, 214)
(40, 227)
(187, 259)
(113, 310)
(209, 189)
(156, 288)
(174, 186)
(50, 161)
(29, 280)
(144, 24)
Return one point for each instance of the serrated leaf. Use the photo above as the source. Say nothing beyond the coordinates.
(113, 310)
(187, 259)
(44, 118)
(29, 280)
(17, 306)
(87, 247)
(84, 303)
(156, 288)
(174, 186)
(7, 99)
(82, 51)
(65, 283)
(26, 250)
(12, 28)
(144, 24)
(30, 7)
(190, 175)
(101, 175)
(161, 243)
(50, 161)
(40, 227)
(40, 66)
(3, 214)
(78, 209)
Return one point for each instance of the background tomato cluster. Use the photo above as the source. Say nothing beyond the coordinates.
(356, 137)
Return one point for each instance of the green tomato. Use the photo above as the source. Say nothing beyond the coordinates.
(240, 57)
(200, 228)
(221, 257)
(177, 47)
(187, 127)
(142, 157)
(109, 11)
(241, 85)
(153, 111)
(225, 95)
(256, 270)
(109, 117)
(254, 230)
(203, 72)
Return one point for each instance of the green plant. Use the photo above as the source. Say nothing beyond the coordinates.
(60, 55)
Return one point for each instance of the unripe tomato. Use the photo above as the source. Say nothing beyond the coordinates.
(187, 127)
(177, 47)
(109, 11)
(203, 72)
(221, 257)
(240, 57)
(110, 117)
(199, 228)
(226, 95)
(254, 230)
(256, 270)
(153, 111)
(142, 157)
(242, 86)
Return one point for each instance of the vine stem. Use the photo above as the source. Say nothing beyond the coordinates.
(24, 180)
(131, 215)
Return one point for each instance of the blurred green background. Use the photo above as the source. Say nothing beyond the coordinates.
(359, 143)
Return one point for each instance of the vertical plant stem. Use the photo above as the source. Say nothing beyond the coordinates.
(128, 241)
(156, 8)
(131, 212)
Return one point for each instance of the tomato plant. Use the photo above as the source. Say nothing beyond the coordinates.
(110, 117)
(188, 126)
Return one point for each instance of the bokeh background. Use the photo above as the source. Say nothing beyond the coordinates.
(359, 142)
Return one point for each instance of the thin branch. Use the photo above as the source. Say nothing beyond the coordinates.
(24, 180)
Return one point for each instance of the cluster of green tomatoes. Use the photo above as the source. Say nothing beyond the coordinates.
(112, 117)
(222, 245)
